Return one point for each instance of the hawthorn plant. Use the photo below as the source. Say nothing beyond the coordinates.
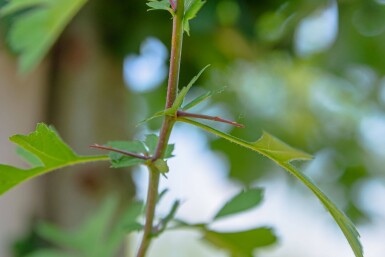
(45, 151)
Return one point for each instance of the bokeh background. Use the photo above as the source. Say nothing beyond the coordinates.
(309, 72)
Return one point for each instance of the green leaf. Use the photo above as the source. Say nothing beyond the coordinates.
(282, 154)
(28, 157)
(241, 244)
(182, 94)
(169, 217)
(197, 101)
(160, 5)
(192, 7)
(120, 160)
(101, 234)
(45, 151)
(34, 31)
(151, 142)
(243, 201)
(161, 166)
(49, 253)
(148, 148)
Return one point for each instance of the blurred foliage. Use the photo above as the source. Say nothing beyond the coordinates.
(322, 102)
(102, 234)
(330, 102)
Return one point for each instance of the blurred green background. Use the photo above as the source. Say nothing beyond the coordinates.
(309, 72)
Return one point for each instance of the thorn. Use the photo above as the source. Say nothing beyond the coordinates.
(173, 5)
(111, 149)
(207, 117)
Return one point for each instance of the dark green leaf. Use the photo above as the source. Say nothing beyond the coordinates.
(35, 31)
(45, 151)
(192, 7)
(243, 201)
(282, 154)
(241, 244)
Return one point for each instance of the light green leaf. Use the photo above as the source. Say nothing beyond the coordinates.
(283, 154)
(49, 253)
(243, 201)
(34, 31)
(46, 146)
(182, 94)
(28, 157)
(192, 7)
(169, 217)
(241, 244)
(197, 101)
(101, 234)
(160, 5)
(161, 166)
(157, 115)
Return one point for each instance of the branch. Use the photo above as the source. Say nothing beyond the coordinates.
(168, 123)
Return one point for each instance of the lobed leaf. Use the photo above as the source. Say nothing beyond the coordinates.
(283, 154)
(45, 151)
(160, 5)
(35, 30)
(241, 202)
(192, 7)
(241, 244)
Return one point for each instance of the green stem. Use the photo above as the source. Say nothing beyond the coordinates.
(152, 195)
(168, 123)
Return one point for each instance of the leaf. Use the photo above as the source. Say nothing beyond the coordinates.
(169, 217)
(45, 151)
(160, 5)
(243, 201)
(151, 142)
(197, 101)
(120, 160)
(29, 157)
(35, 30)
(101, 234)
(241, 244)
(147, 148)
(192, 7)
(161, 166)
(49, 253)
(182, 94)
(282, 154)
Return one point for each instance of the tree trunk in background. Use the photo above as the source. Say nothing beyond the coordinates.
(87, 106)
(22, 105)
(85, 101)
